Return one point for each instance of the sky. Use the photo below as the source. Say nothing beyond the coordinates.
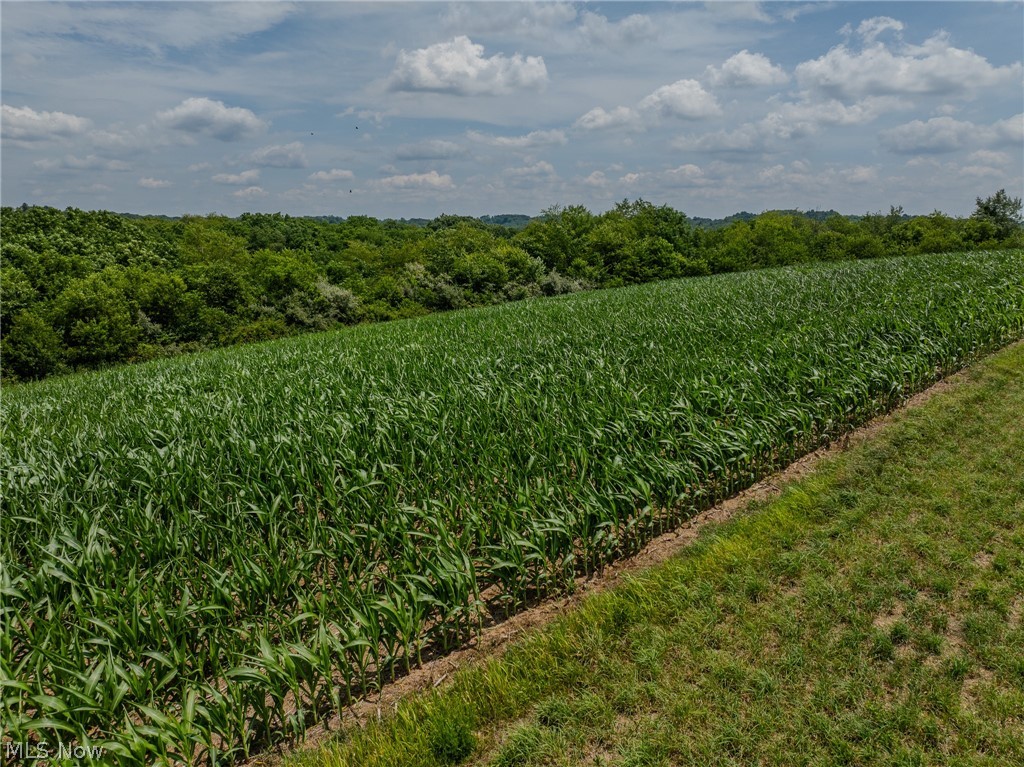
(416, 109)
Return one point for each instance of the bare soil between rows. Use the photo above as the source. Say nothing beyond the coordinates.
(495, 639)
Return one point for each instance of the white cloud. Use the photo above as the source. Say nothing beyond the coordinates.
(532, 140)
(988, 157)
(459, 67)
(747, 138)
(796, 119)
(793, 12)
(212, 118)
(119, 140)
(291, 155)
(740, 12)
(431, 180)
(141, 27)
(530, 171)
(154, 183)
(599, 118)
(870, 29)
(933, 68)
(937, 135)
(787, 121)
(1008, 132)
(26, 124)
(237, 179)
(89, 162)
(684, 175)
(433, 149)
(596, 179)
(198, 166)
(596, 29)
(250, 193)
(944, 134)
(747, 69)
(981, 171)
(860, 174)
(334, 174)
(537, 20)
(685, 99)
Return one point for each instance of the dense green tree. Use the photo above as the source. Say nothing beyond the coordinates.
(97, 319)
(16, 294)
(30, 348)
(1001, 211)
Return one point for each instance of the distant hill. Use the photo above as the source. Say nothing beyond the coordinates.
(719, 223)
(520, 220)
(511, 220)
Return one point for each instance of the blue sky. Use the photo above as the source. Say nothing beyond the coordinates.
(414, 109)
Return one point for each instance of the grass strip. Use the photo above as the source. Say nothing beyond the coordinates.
(871, 614)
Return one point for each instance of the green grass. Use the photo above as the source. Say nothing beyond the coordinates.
(189, 546)
(870, 615)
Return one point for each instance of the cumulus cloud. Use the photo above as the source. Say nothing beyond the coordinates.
(747, 69)
(291, 155)
(684, 175)
(797, 119)
(250, 193)
(237, 179)
(433, 149)
(334, 174)
(154, 183)
(532, 140)
(684, 99)
(26, 124)
(941, 135)
(599, 118)
(212, 118)
(431, 180)
(934, 68)
(460, 67)
(1008, 132)
(787, 121)
(937, 135)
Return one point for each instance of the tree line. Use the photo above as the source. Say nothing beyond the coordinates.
(86, 289)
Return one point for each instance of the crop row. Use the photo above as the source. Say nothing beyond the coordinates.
(202, 555)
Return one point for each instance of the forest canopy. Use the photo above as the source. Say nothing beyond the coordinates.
(82, 289)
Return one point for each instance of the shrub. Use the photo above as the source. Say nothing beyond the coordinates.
(31, 348)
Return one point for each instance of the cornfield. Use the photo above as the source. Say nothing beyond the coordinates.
(202, 556)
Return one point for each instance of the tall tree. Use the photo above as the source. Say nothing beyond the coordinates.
(1002, 211)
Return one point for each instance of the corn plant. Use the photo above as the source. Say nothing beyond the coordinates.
(203, 555)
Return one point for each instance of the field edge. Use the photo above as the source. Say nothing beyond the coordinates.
(371, 729)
